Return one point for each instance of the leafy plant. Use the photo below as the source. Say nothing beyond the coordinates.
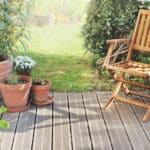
(40, 82)
(108, 19)
(13, 33)
(3, 124)
(14, 79)
(23, 65)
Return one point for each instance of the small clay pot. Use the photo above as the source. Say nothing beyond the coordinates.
(40, 93)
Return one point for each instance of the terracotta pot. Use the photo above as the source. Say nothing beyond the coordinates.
(16, 96)
(5, 68)
(40, 93)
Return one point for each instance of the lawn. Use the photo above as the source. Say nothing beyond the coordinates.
(60, 57)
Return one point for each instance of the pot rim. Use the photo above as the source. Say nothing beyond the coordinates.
(9, 59)
(17, 86)
(48, 83)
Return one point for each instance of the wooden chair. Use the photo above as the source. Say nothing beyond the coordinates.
(124, 71)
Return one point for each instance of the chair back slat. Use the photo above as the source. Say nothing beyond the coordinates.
(148, 39)
(141, 36)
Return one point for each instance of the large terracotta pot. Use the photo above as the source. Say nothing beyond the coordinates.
(5, 68)
(40, 94)
(16, 96)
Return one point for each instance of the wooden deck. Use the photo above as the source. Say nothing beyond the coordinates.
(76, 122)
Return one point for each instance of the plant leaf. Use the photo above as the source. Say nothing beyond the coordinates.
(4, 124)
(24, 45)
(3, 109)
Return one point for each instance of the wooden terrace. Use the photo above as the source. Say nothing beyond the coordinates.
(76, 121)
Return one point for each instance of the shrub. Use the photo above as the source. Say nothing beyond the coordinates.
(108, 19)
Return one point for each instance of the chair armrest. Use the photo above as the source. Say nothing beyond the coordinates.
(117, 41)
(113, 43)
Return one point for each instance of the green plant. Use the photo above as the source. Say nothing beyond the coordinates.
(108, 19)
(13, 33)
(23, 65)
(40, 82)
(3, 124)
(14, 79)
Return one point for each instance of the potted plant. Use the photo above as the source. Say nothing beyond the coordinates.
(15, 93)
(40, 92)
(12, 33)
(23, 65)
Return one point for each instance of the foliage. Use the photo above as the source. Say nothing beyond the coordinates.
(3, 123)
(12, 26)
(23, 65)
(108, 19)
(145, 4)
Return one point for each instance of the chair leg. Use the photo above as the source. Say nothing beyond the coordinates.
(108, 102)
(147, 115)
(125, 89)
(114, 93)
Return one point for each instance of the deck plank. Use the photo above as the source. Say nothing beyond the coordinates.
(79, 129)
(139, 113)
(24, 131)
(116, 129)
(43, 128)
(61, 126)
(96, 123)
(133, 127)
(146, 125)
(7, 136)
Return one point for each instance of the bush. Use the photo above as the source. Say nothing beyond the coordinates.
(108, 19)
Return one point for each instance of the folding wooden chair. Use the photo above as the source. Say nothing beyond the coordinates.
(124, 71)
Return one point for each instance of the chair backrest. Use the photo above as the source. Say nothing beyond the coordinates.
(141, 35)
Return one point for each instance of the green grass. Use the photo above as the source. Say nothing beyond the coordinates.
(60, 57)
(58, 39)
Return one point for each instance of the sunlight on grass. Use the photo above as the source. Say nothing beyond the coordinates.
(60, 39)
(61, 58)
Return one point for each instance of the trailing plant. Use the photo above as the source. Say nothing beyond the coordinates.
(108, 19)
(3, 124)
(13, 32)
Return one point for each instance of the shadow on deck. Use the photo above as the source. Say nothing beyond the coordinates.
(76, 121)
